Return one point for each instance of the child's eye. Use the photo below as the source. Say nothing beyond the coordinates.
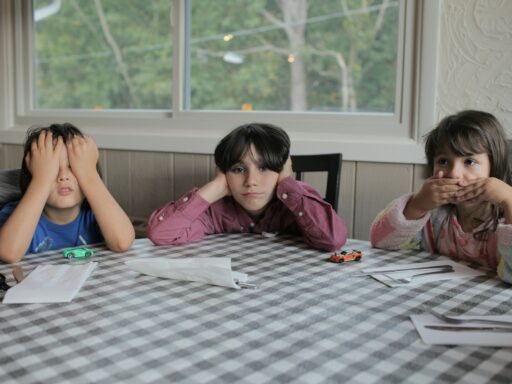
(442, 161)
(238, 169)
(263, 169)
(469, 162)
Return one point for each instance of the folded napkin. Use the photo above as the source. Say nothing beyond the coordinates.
(471, 333)
(50, 284)
(209, 270)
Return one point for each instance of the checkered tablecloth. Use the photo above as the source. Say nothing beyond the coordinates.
(308, 322)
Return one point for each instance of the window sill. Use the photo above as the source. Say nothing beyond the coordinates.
(354, 148)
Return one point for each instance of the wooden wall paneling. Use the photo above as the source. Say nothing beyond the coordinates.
(376, 185)
(152, 181)
(2, 156)
(117, 176)
(421, 173)
(12, 156)
(190, 171)
(103, 165)
(212, 166)
(347, 198)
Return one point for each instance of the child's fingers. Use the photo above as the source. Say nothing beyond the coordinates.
(471, 194)
(48, 140)
(39, 143)
(59, 144)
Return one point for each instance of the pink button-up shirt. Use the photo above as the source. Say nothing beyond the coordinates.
(297, 209)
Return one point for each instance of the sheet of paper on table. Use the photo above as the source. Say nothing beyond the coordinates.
(389, 274)
(458, 336)
(50, 284)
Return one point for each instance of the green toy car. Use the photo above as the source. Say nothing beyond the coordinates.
(78, 253)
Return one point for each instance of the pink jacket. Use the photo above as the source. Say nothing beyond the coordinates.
(297, 209)
(440, 232)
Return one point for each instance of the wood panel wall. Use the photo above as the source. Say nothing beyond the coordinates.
(143, 181)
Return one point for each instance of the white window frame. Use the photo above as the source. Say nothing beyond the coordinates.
(382, 138)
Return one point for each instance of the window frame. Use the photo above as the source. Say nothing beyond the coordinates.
(377, 137)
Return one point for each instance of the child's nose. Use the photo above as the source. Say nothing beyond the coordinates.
(63, 174)
(251, 178)
(454, 172)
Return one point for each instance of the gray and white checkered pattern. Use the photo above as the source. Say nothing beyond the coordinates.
(309, 322)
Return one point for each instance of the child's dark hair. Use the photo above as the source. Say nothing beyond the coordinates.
(471, 132)
(66, 130)
(270, 141)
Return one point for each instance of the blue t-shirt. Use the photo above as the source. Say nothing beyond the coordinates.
(49, 235)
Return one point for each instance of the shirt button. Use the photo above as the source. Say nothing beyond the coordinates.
(251, 225)
(161, 218)
(241, 229)
(284, 196)
(185, 199)
(300, 213)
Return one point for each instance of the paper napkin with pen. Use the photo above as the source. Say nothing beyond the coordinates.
(50, 284)
(421, 273)
(209, 270)
(475, 333)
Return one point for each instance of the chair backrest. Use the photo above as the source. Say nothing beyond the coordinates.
(9, 185)
(330, 163)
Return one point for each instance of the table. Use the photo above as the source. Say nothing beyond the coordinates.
(309, 322)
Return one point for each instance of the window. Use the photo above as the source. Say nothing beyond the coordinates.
(157, 75)
(318, 56)
(106, 54)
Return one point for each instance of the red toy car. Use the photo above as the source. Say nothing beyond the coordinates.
(348, 255)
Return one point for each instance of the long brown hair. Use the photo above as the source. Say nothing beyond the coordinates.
(469, 132)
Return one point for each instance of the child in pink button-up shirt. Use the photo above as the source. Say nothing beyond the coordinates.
(254, 191)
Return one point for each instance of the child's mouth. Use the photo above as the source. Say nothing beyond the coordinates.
(64, 191)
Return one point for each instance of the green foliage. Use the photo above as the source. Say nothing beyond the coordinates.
(78, 65)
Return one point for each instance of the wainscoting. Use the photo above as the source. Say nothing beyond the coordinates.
(143, 181)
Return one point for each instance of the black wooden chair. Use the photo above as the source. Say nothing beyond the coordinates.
(330, 163)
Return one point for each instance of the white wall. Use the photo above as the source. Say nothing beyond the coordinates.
(475, 58)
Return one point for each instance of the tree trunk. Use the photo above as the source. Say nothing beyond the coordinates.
(295, 15)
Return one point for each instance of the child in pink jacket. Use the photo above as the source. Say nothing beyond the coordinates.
(464, 210)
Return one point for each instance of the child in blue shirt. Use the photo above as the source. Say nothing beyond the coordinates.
(64, 202)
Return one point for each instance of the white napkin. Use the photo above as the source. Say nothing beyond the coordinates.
(408, 270)
(50, 284)
(455, 337)
(209, 270)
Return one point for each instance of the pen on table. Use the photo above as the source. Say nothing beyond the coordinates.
(398, 269)
(452, 328)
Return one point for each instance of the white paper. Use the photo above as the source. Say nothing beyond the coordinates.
(404, 271)
(209, 270)
(476, 338)
(50, 284)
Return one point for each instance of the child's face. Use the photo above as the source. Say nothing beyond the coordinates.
(66, 193)
(461, 167)
(252, 186)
